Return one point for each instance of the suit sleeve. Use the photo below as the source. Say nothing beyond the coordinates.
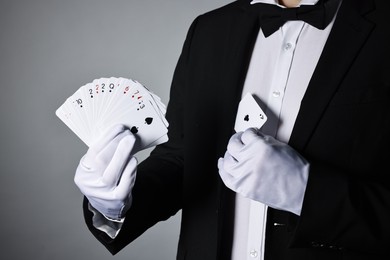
(157, 193)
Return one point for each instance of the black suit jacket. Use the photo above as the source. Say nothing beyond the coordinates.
(342, 129)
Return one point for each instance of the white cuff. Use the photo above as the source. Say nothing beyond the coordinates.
(109, 226)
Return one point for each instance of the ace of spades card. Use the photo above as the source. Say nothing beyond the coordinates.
(249, 114)
(97, 106)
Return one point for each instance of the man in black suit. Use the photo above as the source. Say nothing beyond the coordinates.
(319, 163)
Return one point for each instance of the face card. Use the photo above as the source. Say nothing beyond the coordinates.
(249, 114)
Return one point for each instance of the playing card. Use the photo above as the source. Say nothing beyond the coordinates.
(143, 122)
(67, 117)
(104, 102)
(249, 114)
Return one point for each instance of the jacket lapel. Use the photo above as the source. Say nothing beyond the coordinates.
(243, 31)
(347, 37)
(242, 36)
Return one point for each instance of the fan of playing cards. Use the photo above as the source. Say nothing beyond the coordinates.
(97, 106)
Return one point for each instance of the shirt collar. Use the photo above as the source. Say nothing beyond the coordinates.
(276, 2)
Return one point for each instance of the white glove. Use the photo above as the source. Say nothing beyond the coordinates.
(264, 169)
(106, 173)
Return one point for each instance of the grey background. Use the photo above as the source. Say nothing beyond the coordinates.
(48, 49)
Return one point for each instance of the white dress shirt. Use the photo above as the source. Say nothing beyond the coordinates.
(279, 72)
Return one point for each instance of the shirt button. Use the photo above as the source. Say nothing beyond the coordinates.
(276, 94)
(287, 46)
(253, 253)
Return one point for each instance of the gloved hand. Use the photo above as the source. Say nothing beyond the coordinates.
(106, 173)
(264, 169)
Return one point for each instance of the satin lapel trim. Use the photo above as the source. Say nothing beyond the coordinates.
(347, 37)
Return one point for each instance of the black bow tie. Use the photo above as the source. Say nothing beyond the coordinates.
(272, 17)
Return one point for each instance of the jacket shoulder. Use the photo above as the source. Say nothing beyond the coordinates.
(225, 12)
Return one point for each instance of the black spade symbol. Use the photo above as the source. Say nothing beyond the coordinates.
(134, 130)
(246, 118)
(149, 120)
